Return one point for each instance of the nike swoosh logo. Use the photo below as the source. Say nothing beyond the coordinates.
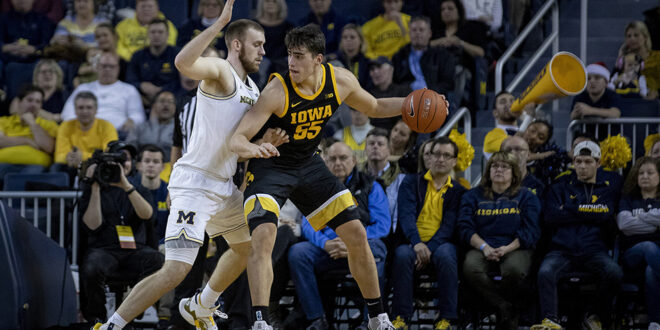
(412, 108)
(295, 104)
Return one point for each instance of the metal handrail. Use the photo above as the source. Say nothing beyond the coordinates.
(647, 121)
(554, 39)
(462, 113)
(49, 195)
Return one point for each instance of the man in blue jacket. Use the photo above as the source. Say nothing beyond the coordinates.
(579, 210)
(428, 207)
(324, 250)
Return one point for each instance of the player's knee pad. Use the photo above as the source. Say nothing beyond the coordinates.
(261, 208)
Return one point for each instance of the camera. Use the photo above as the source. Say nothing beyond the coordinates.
(107, 166)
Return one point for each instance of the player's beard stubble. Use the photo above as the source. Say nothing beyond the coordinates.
(249, 65)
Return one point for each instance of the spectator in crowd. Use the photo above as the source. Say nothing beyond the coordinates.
(518, 147)
(106, 38)
(132, 32)
(488, 12)
(105, 9)
(152, 69)
(427, 212)
(500, 221)
(27, 140)
(422, 66)
(351, 53)
(578, 211)
(272, 15)
(517, 11)
(50, 8)
(452, 31)
(629, 82)
(546, 159)
(653, 150)
(381, 72)
(597, 100)
(86, 70)
(48, 76)
(378, 154)
(150, 162)
(331, 23)
(158, 130)
(23, 35)
(118, 102)
(76, 31)
(639, 220)
(77, 139)
(505, 123)
(117, 218)
(386, 33)
(208, 12)
(355, 135)
(637, 40)
(324, 250)
(402, 139)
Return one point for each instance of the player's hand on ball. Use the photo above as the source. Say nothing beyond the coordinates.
(276, 136)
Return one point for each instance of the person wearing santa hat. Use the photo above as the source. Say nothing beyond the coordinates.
(596, 100)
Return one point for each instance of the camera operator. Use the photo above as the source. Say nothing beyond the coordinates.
(118, 216)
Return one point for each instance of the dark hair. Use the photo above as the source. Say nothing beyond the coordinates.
(379, 131)
(86, 95)
(159, 20)
(150, 148)
(630, 186)
(421, 167)
(459, 7)
(516, 174)
(29, 89)
(502, 92)
(548, 125)
(308, 36)
(585, 135)
(421, 18)
(162, 91)
(107, 26)
(445, 140)
(237, 28)
(412, 139)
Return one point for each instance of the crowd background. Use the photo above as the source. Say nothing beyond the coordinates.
(82, 75)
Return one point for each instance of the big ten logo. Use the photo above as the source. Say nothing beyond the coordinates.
(308, 122)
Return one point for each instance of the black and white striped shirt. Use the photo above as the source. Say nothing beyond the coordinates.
(183, 124)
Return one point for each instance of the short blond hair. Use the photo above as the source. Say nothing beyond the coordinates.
(53, 65)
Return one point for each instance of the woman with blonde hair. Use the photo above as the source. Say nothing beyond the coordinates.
(638, 41)
(272, 14)
(499, 220)
(48, 76)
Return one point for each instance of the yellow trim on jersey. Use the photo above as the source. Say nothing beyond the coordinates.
(330, 209)
(216, 97)
(183, 233)
(334, 83)
(286, 92)
(310, 97)
(268, 202)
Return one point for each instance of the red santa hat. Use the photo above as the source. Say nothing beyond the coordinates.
(599, 68)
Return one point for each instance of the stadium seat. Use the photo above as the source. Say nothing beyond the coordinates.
(19, 182)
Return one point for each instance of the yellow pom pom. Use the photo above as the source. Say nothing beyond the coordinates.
(465, 150)
(615, 153)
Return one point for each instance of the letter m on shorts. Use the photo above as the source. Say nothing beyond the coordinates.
(189, 217)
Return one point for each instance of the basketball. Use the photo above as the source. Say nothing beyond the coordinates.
(424, 110)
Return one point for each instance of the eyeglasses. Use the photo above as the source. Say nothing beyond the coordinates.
(439, 155)
(500, 166)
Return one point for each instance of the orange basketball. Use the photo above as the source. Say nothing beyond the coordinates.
(424, 110)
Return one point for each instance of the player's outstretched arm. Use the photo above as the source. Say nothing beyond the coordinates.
(189, 62)
(359, 99)
(271, 101)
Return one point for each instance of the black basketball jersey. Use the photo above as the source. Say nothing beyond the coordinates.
(304, 117)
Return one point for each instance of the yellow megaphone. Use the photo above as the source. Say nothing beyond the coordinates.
(564, 75)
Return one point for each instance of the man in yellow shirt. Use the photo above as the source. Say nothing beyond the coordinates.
(132, 32)
(385, 34)
(78, 138)
(26, 140)
(428, 205)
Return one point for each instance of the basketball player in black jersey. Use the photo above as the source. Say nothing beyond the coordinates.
(301, 102)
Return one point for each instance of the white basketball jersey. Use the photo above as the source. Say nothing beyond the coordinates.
(216, 119)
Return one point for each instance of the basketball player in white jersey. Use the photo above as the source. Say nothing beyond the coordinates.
(202, 192)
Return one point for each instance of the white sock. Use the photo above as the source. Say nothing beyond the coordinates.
(209, 297)
(118, 321)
